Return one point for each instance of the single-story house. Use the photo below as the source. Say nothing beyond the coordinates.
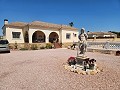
(39, 32)
(101, 35)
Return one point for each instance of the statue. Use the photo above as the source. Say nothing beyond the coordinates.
(83, 42)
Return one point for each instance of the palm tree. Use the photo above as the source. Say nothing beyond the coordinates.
(71, 24)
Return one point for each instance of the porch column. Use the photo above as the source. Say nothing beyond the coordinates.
(47, 39)
(60, 36)
(30, 37)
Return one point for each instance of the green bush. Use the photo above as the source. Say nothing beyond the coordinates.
(49, 46)
(42, 47)
(24, 49)
(34, 47)
(16, 45)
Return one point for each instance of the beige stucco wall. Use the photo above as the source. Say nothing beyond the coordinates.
(46, 32)
(25, 29)
(10, 38)
(72, 38)
(61, 34)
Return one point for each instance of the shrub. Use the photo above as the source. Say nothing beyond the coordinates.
(49, 46)
(42, 47)
(16, 45)
(71, 61)
(34, 47)
(24, 49)
(11, 47)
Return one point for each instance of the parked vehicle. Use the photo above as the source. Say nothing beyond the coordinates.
(4, 46)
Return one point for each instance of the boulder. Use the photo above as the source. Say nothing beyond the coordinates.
(83, 73)
(79, 70)
(93, 72)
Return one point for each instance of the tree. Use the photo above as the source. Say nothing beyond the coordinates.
(71, 24)
(117, 33)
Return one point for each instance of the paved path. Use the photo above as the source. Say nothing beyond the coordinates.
(43, 70)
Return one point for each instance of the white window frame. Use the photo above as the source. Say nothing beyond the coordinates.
(15, 36)
(69, 35)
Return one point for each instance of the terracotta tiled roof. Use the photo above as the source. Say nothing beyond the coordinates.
(41, 24)
(19, 24)
(101, 33)
(51, 25)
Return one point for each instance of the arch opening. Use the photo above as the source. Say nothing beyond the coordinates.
(38, 37)
(53, 37)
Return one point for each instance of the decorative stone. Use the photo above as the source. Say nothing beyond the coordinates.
(88, 72)
(83, 73)
(66, 67)
(101, 70)
(75, 70)
(72, 70)
(83, 65)
(79, 70)
(98, 70)
(93, 72)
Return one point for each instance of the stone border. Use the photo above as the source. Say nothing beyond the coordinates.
(78, 69)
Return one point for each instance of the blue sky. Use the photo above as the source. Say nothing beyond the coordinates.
(93, 15)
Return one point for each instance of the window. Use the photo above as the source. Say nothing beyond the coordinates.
(68, 35)
(16, 34)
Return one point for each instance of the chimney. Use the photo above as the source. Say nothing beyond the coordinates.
(5, 21)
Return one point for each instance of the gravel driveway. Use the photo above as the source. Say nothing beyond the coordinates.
(43, 70)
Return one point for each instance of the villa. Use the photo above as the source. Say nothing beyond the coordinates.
(39, 32)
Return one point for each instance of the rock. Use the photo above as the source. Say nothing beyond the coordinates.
(72, 66)
(95, 64)
(66, 67)
(77, 65)
(75, 70)
(79, 70)
(101, 70)
(72, 70)
(88, 72)
(98, 70)
(93, 72)
(83, 73)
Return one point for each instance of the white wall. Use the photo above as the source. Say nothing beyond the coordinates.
(72, 38)
(61, 34)
(10, 38)
(46, 32)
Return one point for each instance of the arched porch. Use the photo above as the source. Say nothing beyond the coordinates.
(53, 37)
(38, 37)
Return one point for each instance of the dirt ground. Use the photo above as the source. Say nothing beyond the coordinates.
(43, 70)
